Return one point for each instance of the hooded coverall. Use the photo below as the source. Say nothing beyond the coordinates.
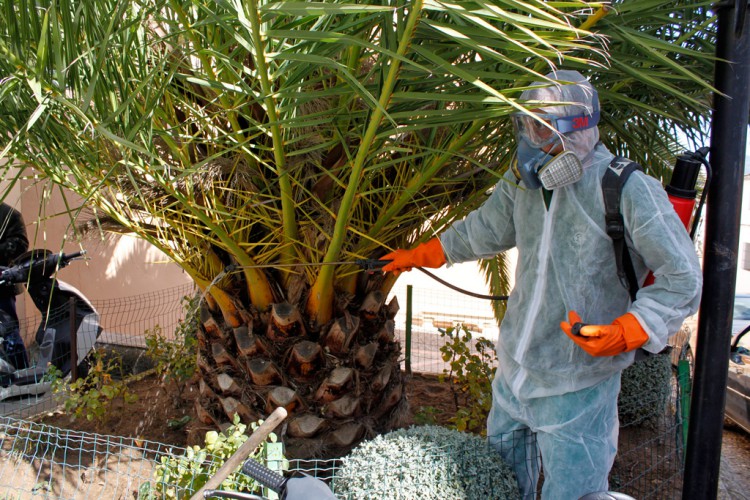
(546, 385)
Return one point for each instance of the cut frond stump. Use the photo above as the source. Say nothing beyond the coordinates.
(344, 407)
(387, 332)
(304, 359)
(212, 328)
(283, 396)
(233, 407)
(205, 390)
(341, 334)
(392, 308)
(263, 372)
(372, 304)
(227, 384)
(346, 435)
(248, 344)
(202, 363)
(390, 399)
(338, 381)
(380, 381)
(286, 321)
(204, 416)
(220, 355)
(306, 426)
(366, 355)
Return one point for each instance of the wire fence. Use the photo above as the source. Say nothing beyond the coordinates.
(38, 459)
(125, 322)
(433, 311)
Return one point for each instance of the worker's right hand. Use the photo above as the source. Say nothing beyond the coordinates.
(428, 254)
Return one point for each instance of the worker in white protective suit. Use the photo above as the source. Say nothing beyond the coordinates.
(555, 389)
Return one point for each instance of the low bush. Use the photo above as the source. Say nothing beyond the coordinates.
(91, 396)
(181, 476)
(645, 391)
(470, 374)
(425, 462)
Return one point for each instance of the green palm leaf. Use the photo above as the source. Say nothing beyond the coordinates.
(252, 133)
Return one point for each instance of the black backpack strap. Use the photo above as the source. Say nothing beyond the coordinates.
(613, 181)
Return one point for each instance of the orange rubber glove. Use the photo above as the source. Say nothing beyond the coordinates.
(623, 335)
(428, 254)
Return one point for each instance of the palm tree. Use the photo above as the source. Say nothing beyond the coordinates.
(266, 146)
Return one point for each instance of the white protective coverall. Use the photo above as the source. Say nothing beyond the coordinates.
(546, 385)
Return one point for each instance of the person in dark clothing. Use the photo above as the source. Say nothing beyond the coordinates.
(13, 243)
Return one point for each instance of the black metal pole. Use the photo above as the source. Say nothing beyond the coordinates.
(728, 136)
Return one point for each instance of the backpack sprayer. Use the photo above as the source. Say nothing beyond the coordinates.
(682, 191)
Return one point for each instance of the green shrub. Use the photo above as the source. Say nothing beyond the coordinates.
(470, 377)
(175, 359)
(180, 477)
(645, 390)
(426, 415)
(425, 462)
(91, 396)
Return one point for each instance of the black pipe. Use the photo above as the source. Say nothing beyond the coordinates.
(728, 136)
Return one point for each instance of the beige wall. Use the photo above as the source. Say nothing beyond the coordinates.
(119, 267)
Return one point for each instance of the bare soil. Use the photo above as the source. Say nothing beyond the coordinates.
(734, 481)
(158, 412)
(147, 418)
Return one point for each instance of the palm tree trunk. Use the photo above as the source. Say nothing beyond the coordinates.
(340, 383)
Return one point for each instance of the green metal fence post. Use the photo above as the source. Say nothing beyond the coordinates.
(683, 378)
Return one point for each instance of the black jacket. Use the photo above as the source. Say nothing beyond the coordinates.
(13, 242)
(13, 239)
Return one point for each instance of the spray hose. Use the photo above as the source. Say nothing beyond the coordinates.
(700, 155)
(461, 290)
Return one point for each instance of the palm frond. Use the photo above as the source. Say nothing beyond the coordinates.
(275, 132)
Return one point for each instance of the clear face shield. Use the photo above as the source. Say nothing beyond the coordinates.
(537, 168)
(538, 130)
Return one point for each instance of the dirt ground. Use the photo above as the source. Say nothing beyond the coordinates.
(734, 483)
(157, 413)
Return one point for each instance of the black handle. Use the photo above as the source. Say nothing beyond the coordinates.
(74, 255)
(264, 475)
(372, 265)
(63, 259)
(576, 329)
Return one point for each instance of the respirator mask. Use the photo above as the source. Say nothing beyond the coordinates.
(537, 168)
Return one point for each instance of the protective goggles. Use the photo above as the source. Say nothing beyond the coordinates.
(542, 129)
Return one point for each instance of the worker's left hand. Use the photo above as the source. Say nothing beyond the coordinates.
(623, 335)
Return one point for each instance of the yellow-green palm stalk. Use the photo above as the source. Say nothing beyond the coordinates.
(250, 139)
